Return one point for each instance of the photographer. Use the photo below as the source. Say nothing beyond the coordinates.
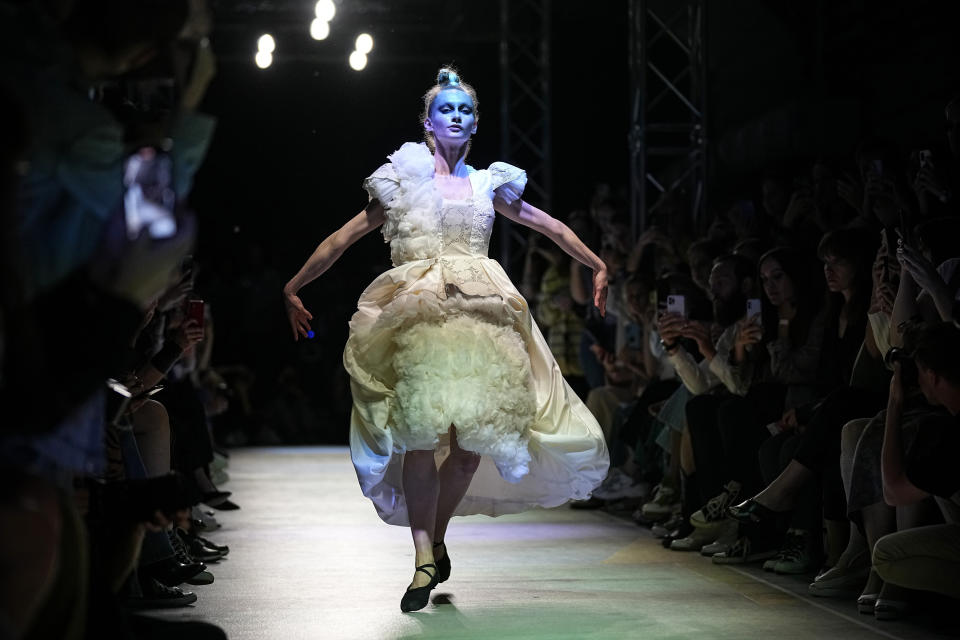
(924, 558)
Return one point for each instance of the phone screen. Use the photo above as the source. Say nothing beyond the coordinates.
(149, 199)
(753, 309)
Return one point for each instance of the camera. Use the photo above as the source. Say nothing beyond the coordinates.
(908, 367)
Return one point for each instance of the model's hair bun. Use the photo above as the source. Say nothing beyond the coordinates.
(447, 77)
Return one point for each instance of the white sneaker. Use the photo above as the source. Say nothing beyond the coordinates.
(618, 485)
(729, 532)
(697, 539)
(665, 503)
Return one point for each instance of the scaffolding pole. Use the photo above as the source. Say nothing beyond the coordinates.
(668, 127)
(525, 111)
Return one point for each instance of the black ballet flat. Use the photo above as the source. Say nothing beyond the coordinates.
(418, 597)
(443, 565)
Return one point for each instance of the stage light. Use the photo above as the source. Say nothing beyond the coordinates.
(325, 10)
(358, 60)
(263, 59)
(266, 43)
(364, 43)
(319, 29)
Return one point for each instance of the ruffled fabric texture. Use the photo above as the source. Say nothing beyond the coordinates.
(410, 202)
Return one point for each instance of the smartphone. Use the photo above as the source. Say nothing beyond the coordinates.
(148, 197)
(195, 311)
(676, 304)
(754, 310)
(904, 230)
(878, 167)
(925, 156)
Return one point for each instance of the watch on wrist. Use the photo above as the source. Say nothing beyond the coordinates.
(668, 346)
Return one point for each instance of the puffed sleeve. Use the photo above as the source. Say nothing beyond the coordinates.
(383, 185)
(507, 181)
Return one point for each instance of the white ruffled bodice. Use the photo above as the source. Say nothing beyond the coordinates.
(421, 224)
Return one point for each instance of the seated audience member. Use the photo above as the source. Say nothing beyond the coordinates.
(731, 283)
(923, 558)
(726, 433)
(809, 437)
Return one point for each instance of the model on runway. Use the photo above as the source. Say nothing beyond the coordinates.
(458, 405)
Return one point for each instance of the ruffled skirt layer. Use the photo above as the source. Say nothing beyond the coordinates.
(450, 341)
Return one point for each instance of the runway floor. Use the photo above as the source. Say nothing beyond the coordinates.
(310, 559)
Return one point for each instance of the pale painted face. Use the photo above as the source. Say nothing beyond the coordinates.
(452, 118)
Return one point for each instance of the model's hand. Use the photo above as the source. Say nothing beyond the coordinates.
(297, 314)
(600, 290)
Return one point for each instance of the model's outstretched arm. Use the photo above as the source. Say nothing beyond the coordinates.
(530, 216)
(322, 259)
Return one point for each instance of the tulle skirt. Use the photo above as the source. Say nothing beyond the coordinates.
(430, 348)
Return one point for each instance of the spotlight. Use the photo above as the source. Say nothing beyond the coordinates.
(266, 43)
(325, 10)
(263, 59)
(319, 29)
(358, 60)
(364, 43)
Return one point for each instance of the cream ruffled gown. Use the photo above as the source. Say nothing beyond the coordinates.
(445, 338)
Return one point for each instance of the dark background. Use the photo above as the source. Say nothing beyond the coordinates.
(788, 81)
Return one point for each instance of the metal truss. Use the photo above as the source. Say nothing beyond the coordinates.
(668, 134)
(525, 111)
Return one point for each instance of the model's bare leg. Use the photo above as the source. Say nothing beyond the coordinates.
(456, 472)
(420, 489)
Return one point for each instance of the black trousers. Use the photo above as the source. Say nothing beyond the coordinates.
(192, 446)
(726, 432)
(819, 446)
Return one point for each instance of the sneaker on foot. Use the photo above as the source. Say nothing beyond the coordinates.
(716, 508)
(729, 533)
(664, 504)
(619, 485)
(797, 555)
(697, 539)
(744, 550)
(663, 529)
